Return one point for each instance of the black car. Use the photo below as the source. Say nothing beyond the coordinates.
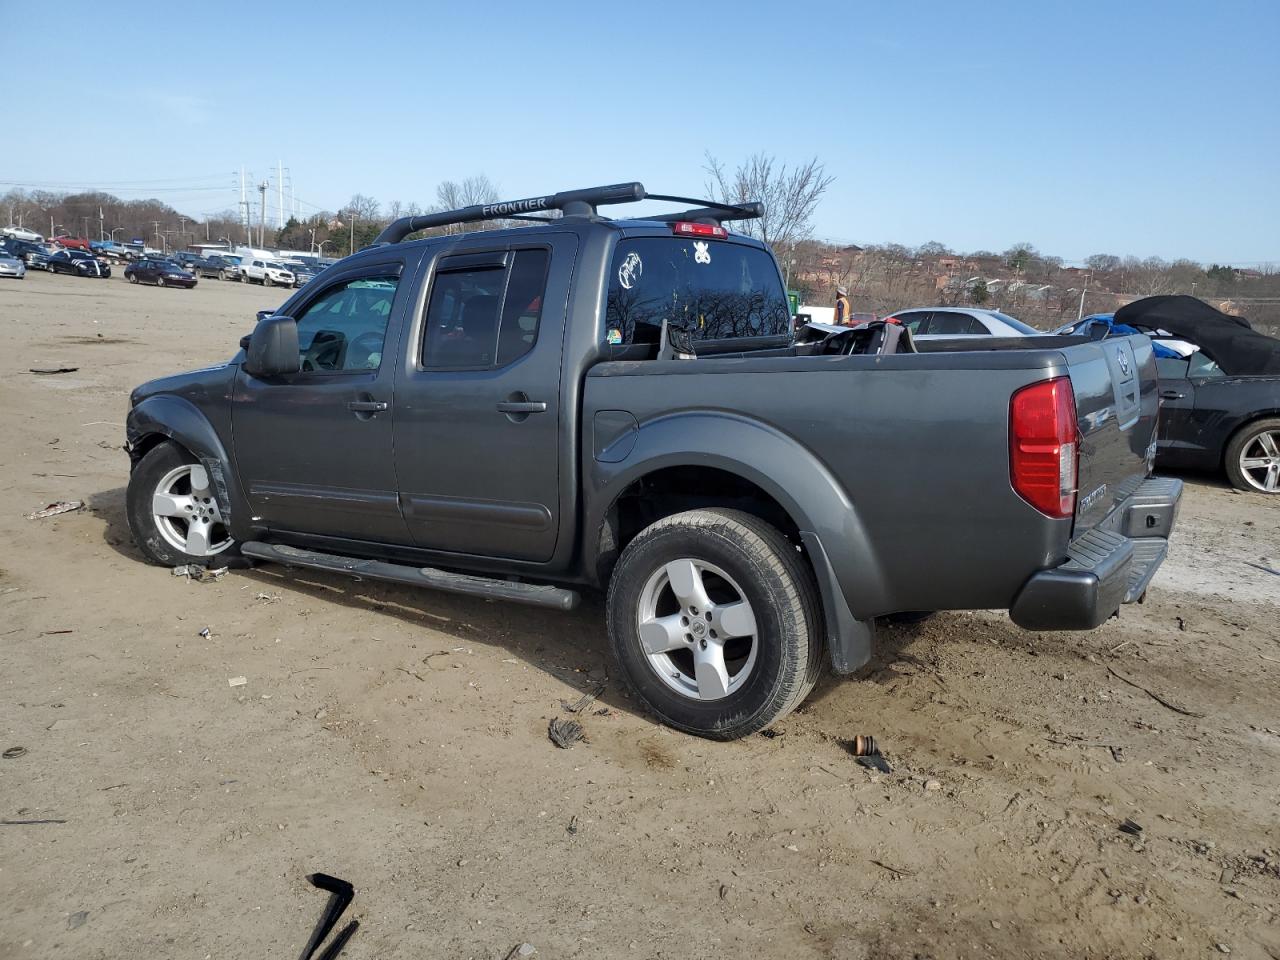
(1219, 389)
(33, 255)
(186, 260)
(163, 273)
(78, 263)
(216, 265)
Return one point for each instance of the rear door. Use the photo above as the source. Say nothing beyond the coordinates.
(478, 416)
(313, 449)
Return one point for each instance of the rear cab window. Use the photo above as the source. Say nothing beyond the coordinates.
(717, 290)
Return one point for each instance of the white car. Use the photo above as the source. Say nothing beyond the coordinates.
(18, 233)
(936, 323)
(11, 266)
(266, 272)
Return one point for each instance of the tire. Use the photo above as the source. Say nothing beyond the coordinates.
(169, 541)
(222, 274)
(734, 557)
(159, 281)
(132, 278)
(244, 278)
(1253, 457)
(267, 281)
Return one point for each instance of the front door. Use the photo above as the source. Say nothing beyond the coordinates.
(477, 427)
(313, 449)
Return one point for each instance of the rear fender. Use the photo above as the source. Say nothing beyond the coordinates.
(849, 576)
(182, 422)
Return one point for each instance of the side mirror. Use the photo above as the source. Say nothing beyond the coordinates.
(273, 348)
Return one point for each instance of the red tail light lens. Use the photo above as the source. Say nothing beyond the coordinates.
(1042, 446)
(686, 228)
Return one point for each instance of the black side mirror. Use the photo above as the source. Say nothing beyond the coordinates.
(273, 348)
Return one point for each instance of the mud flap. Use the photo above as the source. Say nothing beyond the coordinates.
(849, 640)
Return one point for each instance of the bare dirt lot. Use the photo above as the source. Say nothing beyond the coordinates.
(398, 739)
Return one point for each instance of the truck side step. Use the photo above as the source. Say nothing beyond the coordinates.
(538, 595)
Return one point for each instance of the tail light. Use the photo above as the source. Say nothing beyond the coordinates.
(1042, 446)
(686, 228)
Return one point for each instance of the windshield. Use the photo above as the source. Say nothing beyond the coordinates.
(1016, 324)
(715, 290)
(277, 266)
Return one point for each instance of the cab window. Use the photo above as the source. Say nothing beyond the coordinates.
(345, 328)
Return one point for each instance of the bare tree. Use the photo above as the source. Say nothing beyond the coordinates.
(790, 196)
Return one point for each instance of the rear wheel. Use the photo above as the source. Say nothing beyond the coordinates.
(1253, 457)
(714, 623)
(173, 513)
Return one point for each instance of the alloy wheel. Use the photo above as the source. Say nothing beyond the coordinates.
(186, 512)
(1260, 461)
(698, 629)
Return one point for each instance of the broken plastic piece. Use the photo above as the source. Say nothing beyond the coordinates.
(53, 509)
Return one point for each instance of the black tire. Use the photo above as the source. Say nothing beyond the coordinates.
(780, 588)
(150, 470)
(267, 281)
(132, 278)
(159, 281)
(1239, 443)
(222, 274)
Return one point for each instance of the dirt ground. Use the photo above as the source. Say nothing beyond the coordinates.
(397, 738)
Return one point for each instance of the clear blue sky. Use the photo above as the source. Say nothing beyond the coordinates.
(1150, 128)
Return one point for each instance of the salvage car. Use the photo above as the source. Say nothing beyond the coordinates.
(163, 273)
(34, 255)
(1220, 404)
(937, 322)
(78, 263)
(622, 406)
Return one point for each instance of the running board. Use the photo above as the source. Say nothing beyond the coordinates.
(537, 595)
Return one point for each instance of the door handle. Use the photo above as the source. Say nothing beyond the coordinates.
(522, 406)
(1171, 395)
(367, 406)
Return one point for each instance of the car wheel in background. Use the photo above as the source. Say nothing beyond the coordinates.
(714, 623)
(132, 277)
(172, 510)
(1253, 457)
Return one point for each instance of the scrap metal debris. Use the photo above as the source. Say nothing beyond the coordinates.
(13, 753)
(53, 509)
(237, 681)
(864, 746)
(1131, 827)
(565, 733)
(200, 574)
(26, 823)
(46, 371)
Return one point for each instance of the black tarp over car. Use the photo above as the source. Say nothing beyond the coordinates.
(1229, 341)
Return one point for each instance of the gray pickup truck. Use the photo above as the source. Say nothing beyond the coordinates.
(528, 411)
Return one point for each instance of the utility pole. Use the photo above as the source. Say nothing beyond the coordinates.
(51, 226)
(102, 226)
(86, 227)
(1087, 278)
(156, 225)
(262, 220)
(182, 230)
(244, 211)
(280, 192)
(352, 249)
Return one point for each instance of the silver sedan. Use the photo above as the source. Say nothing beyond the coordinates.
(12, 266)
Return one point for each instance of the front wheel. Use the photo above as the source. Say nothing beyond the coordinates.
(267, 281)
(222, 274)
(132, 278)
(159, 281)
(714, 623)
(1253, 457)
(173, 513)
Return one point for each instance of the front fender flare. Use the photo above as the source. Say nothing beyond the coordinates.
(849, 575)
(182, 422)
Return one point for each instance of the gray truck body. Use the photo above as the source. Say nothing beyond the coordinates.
(891, 473)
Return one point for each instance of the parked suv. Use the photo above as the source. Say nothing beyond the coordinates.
(266, 272)
(622, 406)
(220, 266)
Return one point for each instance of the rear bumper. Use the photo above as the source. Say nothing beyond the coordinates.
(1110, 565)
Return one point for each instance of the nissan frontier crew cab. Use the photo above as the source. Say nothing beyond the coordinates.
(536, 409)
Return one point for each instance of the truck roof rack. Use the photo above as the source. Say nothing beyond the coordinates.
(570, 203)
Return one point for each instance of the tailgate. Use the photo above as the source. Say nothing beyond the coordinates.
(1117, 405)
